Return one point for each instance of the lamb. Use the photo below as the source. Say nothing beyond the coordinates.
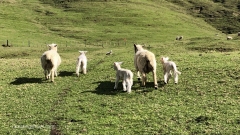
(109, 53)
(124, 74)
(81, 63)
(145, 62)
(50, 61)
(168, 67)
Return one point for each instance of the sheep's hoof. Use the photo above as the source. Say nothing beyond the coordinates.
(156, 87)
(139, 79)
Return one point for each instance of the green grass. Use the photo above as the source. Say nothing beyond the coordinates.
(206, 100)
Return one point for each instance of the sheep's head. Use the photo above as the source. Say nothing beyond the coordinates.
(138, 48)
(83, 52)
(52, 46)
(117, 65)
(164, 59)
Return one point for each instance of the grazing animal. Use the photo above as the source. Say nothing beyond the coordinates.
(168, 67)
(109, 53)
(50, 61)
(145, 62)
(81, 63)
(229, 38)
(179, 37)
(124, 74)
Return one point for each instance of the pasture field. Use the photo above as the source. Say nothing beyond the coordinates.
(206, 100)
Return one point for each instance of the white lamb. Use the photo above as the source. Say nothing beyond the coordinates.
(125, 75)
(81, 63)
(168, 67)
(50, 61)
(145, 62)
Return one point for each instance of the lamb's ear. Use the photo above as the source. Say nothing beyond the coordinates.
(55, 45)
(120, 63)
(85, 51)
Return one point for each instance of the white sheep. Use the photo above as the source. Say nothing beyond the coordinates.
(168, 67)
(179, 37)
(109, 53)
(81, 63)
(50, 61)
(124, 74)
(145, 62)
(229, 38)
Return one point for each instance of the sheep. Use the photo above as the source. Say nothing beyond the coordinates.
(50, 61)
(145, 62)
(81, 62)
(229, 38)
(179, 37)
(124, 74)
(238, 33)
(109, 53)
(168, 67)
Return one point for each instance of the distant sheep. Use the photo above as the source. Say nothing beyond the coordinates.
(145, 62)
(229, 38)
(238, 33)
(50, 61)
(179, 37)
(81, 63)
(168, 67)
(109, 53)
(124, 74)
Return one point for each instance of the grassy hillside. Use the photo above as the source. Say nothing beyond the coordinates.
(206, 100)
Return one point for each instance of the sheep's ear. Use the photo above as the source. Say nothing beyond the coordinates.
(55, 45)
(85, 51)
(120, 63)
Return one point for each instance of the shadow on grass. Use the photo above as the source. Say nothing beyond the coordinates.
(65, 73)
(24, 80)
(107, 87)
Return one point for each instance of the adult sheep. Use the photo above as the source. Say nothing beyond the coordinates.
(50, 61)
(145, 62)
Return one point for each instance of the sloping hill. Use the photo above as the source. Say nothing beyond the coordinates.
(130, 20)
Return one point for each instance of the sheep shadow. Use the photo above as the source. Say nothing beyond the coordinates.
(106, 88)
(65, 73)
(24, 80)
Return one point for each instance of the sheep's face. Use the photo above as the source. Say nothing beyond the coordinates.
(52, 47)
(138, 48)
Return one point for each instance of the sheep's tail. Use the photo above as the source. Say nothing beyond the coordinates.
(175, 70)
(49, 63)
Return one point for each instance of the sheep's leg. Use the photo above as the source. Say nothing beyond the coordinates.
(116, 83)
(55, 73)
(124, 85)
(144, 79)
(155, 79)
(138, 76)
(48, 74)
(169, 76)
(52, 73)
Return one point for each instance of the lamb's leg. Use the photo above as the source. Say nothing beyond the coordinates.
(124, 85)
(175, 77)
(84, 69)
(46, 74)
(165, 77)
(116, 83)
(169, 75)
(129, 85)
(77, 69)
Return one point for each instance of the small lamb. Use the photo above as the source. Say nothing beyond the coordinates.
(169, 66)
(81, 63)
(124, 74)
